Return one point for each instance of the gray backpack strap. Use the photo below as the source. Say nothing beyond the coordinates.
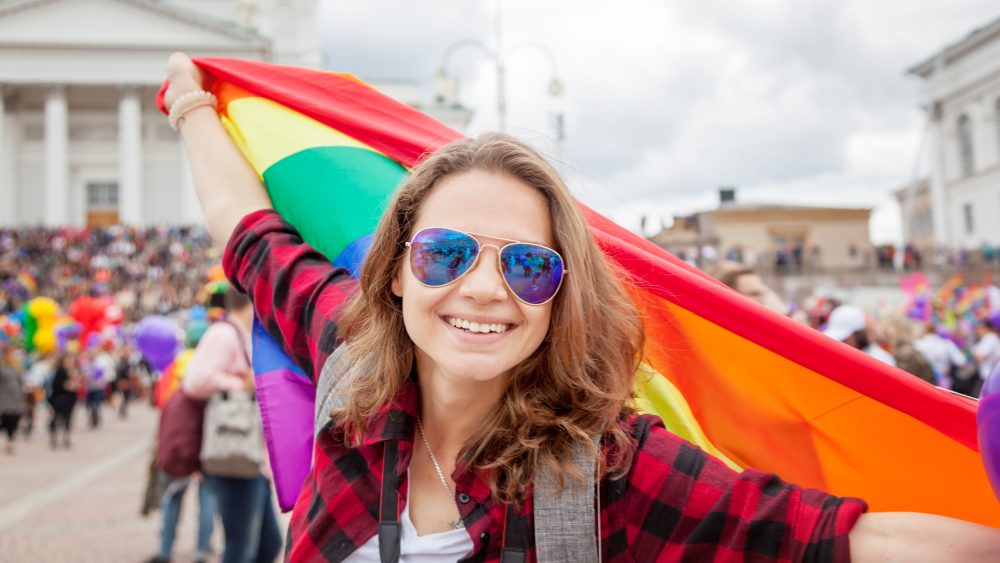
(565, 521)
(333, 385)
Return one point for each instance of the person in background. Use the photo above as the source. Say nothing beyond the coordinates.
(98, 369)
(62, 399)
(221, 362)
(986, 351)
(170, 509)
(11, 392)
(746, 281)
(847, 324)
(898, 334)
(943, 354)
(124, 379)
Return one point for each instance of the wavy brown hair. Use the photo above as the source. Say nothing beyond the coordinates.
(578, 382)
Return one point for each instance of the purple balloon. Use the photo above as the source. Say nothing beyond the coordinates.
(156, 338)
(988, 426)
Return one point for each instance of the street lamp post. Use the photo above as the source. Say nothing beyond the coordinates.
(447, 86)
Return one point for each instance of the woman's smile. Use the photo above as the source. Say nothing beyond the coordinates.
(477, 332)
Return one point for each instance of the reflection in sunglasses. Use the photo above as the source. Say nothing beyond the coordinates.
(440, 256)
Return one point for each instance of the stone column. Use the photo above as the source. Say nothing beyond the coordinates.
(939, 201)
(6, 155)
(129, 158)
(56, 157)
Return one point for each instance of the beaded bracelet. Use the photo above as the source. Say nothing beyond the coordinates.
(188, 102)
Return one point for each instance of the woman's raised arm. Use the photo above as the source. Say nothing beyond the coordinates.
(228, 188)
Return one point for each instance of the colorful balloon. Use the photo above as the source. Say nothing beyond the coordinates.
(156, 338)
(988, 427)
(45, 340)
(41, 313)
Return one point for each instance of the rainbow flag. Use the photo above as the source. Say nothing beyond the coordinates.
(746, 384)
(28, 283)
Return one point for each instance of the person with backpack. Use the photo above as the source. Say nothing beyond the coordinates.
(62, 397)
(487, 355)
(174, 466)
(233, 460)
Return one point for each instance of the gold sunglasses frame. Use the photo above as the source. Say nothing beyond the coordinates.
(477, 237)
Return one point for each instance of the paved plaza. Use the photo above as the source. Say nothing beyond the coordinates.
(82, 504)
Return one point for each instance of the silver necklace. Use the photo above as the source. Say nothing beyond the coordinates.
(456, 524)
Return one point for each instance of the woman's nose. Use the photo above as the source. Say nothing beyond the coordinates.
(484, 282)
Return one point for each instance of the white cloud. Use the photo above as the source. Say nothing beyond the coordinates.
(798, 102)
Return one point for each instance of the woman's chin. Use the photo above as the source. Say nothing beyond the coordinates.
(474, 372)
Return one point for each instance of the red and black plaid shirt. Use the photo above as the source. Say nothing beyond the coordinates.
(677, 502)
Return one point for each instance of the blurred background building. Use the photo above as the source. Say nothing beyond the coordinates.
(81, 141)
(780, 238)
(962, 100)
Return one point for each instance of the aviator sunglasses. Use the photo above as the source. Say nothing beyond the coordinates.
(533, 273)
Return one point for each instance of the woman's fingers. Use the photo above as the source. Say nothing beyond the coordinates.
(183, 76)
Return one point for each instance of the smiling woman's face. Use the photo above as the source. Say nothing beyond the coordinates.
(494, 205)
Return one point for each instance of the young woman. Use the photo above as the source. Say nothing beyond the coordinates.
(495, 339)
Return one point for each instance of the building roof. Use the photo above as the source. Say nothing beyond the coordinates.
(974, 39)
(221, 26)
(779, 207)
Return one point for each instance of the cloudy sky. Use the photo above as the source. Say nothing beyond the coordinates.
(791, 101)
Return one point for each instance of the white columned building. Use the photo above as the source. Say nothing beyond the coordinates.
(81, 140)
(962, 98)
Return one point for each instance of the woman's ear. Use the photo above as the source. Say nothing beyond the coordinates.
(397, 284)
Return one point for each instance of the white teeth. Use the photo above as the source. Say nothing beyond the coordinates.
(482, 328)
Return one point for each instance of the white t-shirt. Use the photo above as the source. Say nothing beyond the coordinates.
(432, 548)
(988, 348)
(940, 352)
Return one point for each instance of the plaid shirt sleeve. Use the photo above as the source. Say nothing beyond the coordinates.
(296, 293)
(680, 503)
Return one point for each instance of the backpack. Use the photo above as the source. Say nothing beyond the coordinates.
(178, 444)
(565, 520)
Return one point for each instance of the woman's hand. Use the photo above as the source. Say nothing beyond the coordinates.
(183, 76)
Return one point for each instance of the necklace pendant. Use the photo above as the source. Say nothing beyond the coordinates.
(456, 524)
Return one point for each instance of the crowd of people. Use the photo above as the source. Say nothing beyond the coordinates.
(132, 272)
(159, 271)
(92, 366)
(947, 337)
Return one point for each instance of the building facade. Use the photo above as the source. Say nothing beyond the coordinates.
(778, 238)
(962, 99)
(81, 140)
(917, 215)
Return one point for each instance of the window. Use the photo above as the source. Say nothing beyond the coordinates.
(102, 195)
(967, 212)
(965, 145)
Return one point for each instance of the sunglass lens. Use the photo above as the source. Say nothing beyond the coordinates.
(439, 256)
(532, 272)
